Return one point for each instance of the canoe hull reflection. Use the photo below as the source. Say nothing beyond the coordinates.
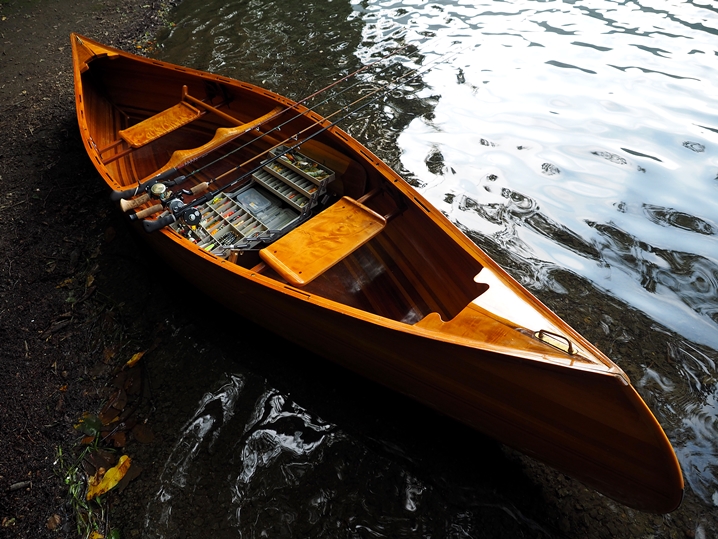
(405, 299)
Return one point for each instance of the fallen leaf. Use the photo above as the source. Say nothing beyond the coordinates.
(96, 459)
(96, 535)
(134, 359)
(90, 424)
(118, 399)
(119, 379)
(114, 406)
(101, 483)
(67, 282)
(109, 414)
(87, 440)
(53, 522)
(118, 439)
(131, 474)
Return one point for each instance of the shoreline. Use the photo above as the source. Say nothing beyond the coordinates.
(59, 234)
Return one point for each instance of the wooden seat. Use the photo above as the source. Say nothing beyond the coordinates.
(163, 123)
(318, 244)
(160, 124)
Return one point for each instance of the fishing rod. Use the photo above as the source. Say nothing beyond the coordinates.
(192, 216)
(166, 174)
(177, 207)
(158, 186)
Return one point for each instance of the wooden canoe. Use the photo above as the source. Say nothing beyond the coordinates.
(372, 276)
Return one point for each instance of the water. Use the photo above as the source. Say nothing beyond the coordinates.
(287, 473)
(576, 141)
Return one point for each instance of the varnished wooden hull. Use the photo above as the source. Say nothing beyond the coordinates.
(419, 324)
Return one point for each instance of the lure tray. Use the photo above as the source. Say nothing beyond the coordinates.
(278, 198)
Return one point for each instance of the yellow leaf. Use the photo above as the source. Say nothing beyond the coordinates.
(98, 486)
(96, 535)
(134, 359)
(90, 279)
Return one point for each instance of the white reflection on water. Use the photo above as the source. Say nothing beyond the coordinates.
(252, 463)
(603, 115)
(200, 432)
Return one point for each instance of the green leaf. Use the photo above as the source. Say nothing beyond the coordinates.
(90, 424)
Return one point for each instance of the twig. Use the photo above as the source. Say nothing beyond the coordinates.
(3, 208)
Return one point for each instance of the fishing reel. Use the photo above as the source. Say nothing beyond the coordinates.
(174, 202)
(159, 190)
(175, 209)
(191, 216)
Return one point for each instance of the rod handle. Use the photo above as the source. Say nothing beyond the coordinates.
(161, 222)
(148, 211)
(127, 205)
(200, 188)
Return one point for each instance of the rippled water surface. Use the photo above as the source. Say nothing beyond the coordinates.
(573, 138)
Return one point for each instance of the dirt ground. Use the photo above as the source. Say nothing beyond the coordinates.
(55, 228)
(75, 292)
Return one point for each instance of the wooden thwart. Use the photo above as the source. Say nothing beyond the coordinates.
(315, 246)
(163, 123)
(160, 124)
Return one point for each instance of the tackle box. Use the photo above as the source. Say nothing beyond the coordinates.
(305, 180)
(277, 199)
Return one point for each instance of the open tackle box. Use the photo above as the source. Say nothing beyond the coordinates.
(278, 198)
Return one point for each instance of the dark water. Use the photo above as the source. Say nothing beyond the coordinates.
(576, 141)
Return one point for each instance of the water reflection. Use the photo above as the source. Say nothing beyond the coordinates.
(252, 463)
(568, 137)
(266, 42)
(699, 427)
(180, 473)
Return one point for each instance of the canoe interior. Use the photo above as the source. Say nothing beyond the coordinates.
(398, 275)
